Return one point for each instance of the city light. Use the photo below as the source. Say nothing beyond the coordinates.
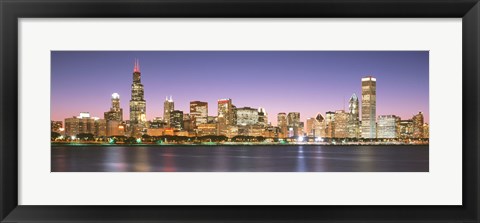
(245, 124)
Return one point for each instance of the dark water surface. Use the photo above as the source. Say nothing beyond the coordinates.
(307, 158)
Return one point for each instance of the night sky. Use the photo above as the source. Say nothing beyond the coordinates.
(279, 81)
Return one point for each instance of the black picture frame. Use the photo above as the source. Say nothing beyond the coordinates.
(12, 10)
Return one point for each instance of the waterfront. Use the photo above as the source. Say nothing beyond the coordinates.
(291, 158)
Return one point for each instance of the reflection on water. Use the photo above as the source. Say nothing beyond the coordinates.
(240, 159)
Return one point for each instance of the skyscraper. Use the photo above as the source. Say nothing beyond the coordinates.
(319, 126)
(311, 127)
(387, 126)
(418, 125)
(293, 122)
(198, 113)
(225, 115)
(176, 119)
(353, 118)
(330, 124)
(369, 107)
(168, 107)
(282, 124)
(262, 117)
(341, 123)
(247, 116)
(138, 105)
(115, 113)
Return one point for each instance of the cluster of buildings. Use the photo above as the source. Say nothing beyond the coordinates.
(234, 121)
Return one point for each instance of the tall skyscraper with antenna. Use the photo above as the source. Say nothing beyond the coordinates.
(138, 105)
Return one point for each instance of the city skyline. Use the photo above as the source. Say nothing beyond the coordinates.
(202, 76)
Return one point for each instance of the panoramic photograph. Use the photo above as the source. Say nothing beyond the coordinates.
(239, 111)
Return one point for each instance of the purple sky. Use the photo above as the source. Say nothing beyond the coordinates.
(279, 81)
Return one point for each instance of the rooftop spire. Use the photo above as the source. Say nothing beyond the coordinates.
(136, 66)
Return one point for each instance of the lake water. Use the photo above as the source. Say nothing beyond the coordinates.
(294, 158)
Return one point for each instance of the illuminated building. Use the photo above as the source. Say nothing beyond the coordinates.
(72, 126)
(155, 131)
(426, 131)
(369, 107)
(168, 107)
(156, 123)
(56, 126)
(232, 131)
(187, 122)
(319, 126)
(247, 116)
(198, 112)
(418, 125)
(234, 114)
(293, 124)
(115, 128)
(387, 127)
(330, 124)
(79, 124)
(176, 119)
(262, 117)
(353, 118)
(100, 127)
(225, 115)
(205, 129)
(301, 129)
(115, 113)
(341, 123)
(212, 119)
(311, 127)
(138, 105)
(404, 129)
(272, 132)
(251, 130)
(282, 124)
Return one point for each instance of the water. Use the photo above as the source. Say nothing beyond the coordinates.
(239, 159)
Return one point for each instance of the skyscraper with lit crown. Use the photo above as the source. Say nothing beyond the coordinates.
(369, 107)
(115, 113)
(168, 107)
(138, 105)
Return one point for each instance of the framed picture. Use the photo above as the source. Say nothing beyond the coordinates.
(288, 111)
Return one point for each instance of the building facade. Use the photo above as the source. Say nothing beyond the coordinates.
(225, 115)
(176, 119)
(168, 107)
(320, 126)
(56, 126)
(387, 127)
(369, 107)
(418, 125)
(330, 124)
(282, 124)
(353, 125)
(138, 105)
(115, 112)
(262, 117)
(341, 124)
(80, 124)
(247, 116)
(293, 124)
(198, 113)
